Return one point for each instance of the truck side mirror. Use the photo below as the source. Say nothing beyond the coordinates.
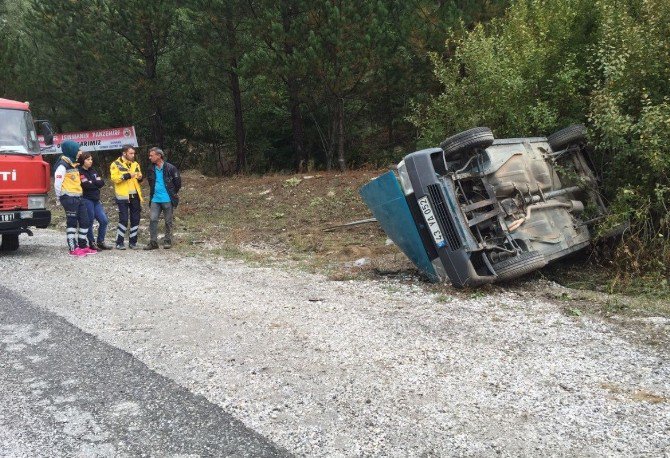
(47, 132)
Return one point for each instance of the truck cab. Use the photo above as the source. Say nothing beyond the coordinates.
(24, 175)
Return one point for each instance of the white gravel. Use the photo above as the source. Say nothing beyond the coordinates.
(329, 368)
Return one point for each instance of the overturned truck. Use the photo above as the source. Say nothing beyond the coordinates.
(480, 210)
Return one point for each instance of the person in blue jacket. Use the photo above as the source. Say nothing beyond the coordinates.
(91, 183)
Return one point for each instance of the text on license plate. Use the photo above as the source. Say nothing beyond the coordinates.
(6, 217)
(429, 216)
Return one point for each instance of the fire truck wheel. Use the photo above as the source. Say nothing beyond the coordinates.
(10, 242)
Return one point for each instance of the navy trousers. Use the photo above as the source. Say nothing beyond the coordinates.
(75, 214)
(128, 208)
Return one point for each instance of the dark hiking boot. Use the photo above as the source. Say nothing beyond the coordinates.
(167, 244)
(151, 246)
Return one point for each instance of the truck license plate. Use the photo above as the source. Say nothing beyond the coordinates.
(429, 216)
(4, 217)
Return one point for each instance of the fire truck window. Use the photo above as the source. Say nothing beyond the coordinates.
(17, 132)
(30, 137)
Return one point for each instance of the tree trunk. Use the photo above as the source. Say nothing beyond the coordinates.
(157, 128)
(297, 126)
(389, 117)
(155, 98)
(293, 87)
(333, 140)
(240, 134)
(340, 136)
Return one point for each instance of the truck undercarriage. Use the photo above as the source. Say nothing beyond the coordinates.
(494, 209)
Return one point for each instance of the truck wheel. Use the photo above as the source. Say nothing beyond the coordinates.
(10, 242)
(477, 138)
(566, 137)
(521, 264)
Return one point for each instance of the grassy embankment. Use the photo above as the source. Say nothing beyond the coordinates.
(280, 219)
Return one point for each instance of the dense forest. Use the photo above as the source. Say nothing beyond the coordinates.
(255, 86)
(235, 85)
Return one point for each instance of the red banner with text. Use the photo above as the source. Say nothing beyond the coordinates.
(95, 140)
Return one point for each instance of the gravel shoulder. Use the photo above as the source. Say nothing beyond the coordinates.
(327, 368)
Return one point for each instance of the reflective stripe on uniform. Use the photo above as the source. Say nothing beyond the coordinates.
(71, 234)
(83, 233)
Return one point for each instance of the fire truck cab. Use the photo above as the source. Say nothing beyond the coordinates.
(24, 176)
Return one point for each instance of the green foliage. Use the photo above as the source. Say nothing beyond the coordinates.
(7, 40)
(520, 74)
(574, 311)
(630, 112)
(547, 64)
(292, 182)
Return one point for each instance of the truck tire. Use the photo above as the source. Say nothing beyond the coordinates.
(521, 264)
(575, 133)
(476, 138)
(10, 242)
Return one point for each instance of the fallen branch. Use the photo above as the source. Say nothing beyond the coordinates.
(353, 223)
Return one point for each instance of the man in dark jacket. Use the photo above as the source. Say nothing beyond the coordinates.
(164, 184)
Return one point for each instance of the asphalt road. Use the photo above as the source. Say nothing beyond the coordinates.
(65, 393)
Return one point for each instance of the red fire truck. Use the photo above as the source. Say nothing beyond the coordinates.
(24, 176)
